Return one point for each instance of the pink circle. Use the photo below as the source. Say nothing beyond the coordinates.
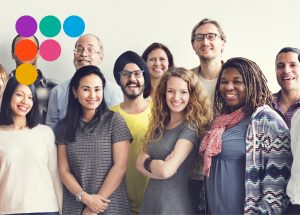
(50, 50)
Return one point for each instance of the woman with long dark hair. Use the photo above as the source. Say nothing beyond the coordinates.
(29, 179)
(93, 145)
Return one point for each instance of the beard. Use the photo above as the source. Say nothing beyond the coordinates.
(132, 96)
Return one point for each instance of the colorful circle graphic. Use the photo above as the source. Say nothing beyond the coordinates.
(26, 50)
(50, 26)
(74, 26)
(50, 50)
(26, 74)
(26, 26)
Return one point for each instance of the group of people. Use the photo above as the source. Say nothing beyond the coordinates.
(161, 140)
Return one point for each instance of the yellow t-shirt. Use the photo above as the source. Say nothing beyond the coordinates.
(136, 183)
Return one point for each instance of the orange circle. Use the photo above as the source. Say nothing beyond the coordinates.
(26, 50)
(26, 74)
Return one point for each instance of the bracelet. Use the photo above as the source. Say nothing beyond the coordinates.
(79, 195)
(147, 163)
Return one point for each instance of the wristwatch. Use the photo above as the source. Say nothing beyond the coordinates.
(79, 195)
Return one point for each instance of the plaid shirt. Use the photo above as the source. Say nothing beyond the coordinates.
(290, 112)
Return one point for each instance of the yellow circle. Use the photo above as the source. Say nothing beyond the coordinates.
(26, 74)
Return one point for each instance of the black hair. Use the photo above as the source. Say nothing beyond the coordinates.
(16, 37)
(74, 109)
(289, 49)
(257, 91)
(154, 46)
(6, 115)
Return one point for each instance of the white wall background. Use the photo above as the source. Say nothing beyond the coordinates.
(256, 29)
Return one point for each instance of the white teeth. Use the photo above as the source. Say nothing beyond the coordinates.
(287, 78)
(22, 108)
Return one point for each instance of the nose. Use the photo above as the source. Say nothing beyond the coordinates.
(176, 96)
(92, 94)
(229, 86)
(24, 100)
(132, 77)
(156, 61)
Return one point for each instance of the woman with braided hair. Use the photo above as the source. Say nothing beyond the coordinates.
(247, 154)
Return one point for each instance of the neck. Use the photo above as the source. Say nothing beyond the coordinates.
(210, 68)
(19, 123)
(288, 98)
(154, 84)
(176, 119)
(134, 106)
(88, 115)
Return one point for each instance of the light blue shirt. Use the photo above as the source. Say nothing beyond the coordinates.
(58, 101)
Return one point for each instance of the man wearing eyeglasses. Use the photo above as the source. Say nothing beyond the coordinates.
(88, 51)
(42, 84)
(208, 41)
(131, 73)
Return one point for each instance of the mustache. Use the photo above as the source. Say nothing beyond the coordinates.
(131, 82)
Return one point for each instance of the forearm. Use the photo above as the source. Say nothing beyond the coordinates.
(140, 166)
(112, 181)
(70, 182)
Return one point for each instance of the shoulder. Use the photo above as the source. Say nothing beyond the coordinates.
(265, 115)
(46, 130)
(51, 82)
(115, 108)
(62, 86)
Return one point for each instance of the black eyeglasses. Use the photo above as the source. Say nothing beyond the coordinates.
(209, 36)
(127, 74)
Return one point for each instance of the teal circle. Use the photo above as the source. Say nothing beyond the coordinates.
(74, 26)
(50, 26)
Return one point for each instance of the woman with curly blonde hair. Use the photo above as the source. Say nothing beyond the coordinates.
(181, 111)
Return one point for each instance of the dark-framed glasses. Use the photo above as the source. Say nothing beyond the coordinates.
(127, 74)
(89, 50)
(209, 36)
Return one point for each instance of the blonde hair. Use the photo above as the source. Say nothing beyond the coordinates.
(198, 110)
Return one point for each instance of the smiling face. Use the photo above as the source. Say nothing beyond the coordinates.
(207, 49)
(232, 88)
(89, 93)
(177, 95)
(92, 54)
(21, 101)
(132, 86)
(157, 63)
(288, 71)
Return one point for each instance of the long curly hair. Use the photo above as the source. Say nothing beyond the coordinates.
(198, 110)
(257, 91)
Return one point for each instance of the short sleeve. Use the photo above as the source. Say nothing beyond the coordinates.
(120, 131)
(190, 134)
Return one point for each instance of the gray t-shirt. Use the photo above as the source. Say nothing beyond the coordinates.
(170, 196)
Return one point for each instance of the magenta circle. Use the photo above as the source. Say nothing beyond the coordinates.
(50, 50)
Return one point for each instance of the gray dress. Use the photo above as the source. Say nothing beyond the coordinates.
(170, 196)
(90, 159)
(226, 183)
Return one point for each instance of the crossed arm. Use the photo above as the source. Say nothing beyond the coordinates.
(163, 169)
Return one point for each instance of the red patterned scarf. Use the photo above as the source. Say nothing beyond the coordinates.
(211, 144)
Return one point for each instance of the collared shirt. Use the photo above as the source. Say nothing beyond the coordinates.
(290, 112)
(43, 87)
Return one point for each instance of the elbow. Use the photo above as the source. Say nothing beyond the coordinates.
(167, 172)
(122, 169)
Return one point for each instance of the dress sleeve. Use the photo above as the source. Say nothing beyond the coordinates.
(53, 168)
(120, 130)
(189, 133)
